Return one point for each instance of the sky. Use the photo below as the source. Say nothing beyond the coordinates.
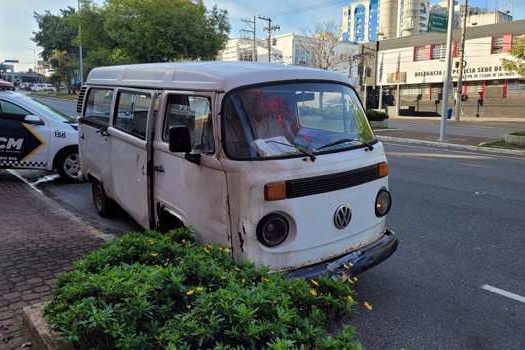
(17, 23)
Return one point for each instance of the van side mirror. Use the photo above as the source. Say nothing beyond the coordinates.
(179, 139)
(33, 120)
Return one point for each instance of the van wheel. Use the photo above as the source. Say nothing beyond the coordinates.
(103, 204)
(68, 166)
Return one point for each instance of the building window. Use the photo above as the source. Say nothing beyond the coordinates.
(247, 56)
(421, 53)
(438, 52)
(497, 44)
(517, 38)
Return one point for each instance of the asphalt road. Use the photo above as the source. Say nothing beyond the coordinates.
(460, 219)
(65, 106)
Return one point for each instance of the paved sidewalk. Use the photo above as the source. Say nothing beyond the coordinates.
(38, 241)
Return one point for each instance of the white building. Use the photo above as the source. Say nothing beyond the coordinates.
(412, 17)
(286, 49)
(242, 49)
(417, 64)
(478, 18)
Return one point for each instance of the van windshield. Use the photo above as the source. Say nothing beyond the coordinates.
(280, 120)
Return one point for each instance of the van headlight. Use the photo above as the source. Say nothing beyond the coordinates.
(273, 230)
(383, 203)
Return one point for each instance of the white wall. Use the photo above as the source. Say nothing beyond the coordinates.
(481, 64)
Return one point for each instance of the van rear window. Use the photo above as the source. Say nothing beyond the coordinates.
(98, 106)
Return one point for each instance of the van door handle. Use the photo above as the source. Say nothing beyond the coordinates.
(158, 168)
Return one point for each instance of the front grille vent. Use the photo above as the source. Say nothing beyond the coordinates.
(332, 182)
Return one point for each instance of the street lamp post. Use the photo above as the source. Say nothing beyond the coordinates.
(80, 58)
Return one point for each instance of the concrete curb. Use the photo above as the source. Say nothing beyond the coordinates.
(452, 146)
(37, 327)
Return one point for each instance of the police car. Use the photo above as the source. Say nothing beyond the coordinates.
(35, 136)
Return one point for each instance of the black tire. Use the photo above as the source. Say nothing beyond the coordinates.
(68, 165)
(104, 206)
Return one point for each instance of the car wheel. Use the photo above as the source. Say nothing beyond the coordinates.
(103, 204)
(68, 166)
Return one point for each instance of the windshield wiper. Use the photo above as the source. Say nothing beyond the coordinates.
(297, 147)
(341, 141)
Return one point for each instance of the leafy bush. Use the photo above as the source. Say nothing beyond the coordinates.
(374, 115)
(152, 291)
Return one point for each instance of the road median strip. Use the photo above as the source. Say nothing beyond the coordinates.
(452, 146)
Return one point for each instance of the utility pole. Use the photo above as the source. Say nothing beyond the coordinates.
(398, 88)
(448, 69)
(269, 29)
(363, 74)
(381, 83)
(459, 91)
(253, 32)
(80, 58)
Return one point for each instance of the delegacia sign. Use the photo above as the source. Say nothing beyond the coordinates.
(484, 72)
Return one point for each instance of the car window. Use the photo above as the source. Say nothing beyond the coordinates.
(194, 112)
(132, 113)
(98, 106)
(11, 108)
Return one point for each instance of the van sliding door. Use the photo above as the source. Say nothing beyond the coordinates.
(129, 154)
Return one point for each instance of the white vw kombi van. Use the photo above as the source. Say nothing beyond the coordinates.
(277, 162)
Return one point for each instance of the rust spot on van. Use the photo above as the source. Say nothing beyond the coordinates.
(241, 241)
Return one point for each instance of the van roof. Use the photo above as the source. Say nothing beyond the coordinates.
(212, 75)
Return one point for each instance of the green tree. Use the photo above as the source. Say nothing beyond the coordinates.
(56, 32)
(134, 31)
(517, 64)
(164, 30)
(64, 66)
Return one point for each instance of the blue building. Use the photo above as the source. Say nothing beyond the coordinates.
(361, 21)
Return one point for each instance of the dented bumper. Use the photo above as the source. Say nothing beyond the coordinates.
(355, 262)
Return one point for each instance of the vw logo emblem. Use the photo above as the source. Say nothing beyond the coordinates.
(342, 216)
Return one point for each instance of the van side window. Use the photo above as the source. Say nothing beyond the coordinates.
(98, 106)
(132, 113)
(194, 112)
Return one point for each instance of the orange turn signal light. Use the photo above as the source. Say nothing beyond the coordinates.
(382, 169)
(275, 191)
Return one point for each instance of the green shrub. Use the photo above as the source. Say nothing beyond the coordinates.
(153, 291)
(374, 115)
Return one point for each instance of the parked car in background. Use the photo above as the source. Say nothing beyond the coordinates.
(5, 85)
(35, 136)
(43, 87)
(25, 86)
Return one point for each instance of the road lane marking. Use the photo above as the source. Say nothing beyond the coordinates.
(504, 293)
(45, 179)
(14, 173)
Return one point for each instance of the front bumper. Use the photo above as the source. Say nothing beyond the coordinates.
(354, 262)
